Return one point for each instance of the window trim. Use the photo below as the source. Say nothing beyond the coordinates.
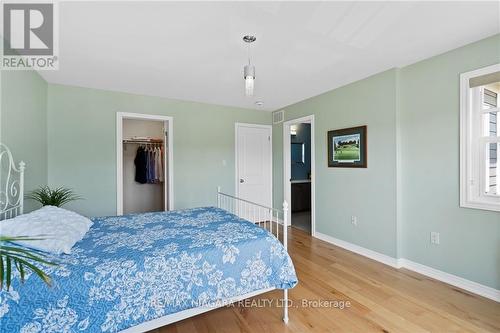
(468, 169)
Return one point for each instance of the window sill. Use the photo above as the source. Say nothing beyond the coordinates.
(481, 205)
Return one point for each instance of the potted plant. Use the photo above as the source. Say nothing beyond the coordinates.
(53, 197)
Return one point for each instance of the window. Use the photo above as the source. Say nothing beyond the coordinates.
(480, 138)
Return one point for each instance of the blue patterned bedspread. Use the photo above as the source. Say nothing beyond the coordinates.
(134, 268)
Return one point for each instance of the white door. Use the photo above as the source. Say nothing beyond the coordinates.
(254, 163)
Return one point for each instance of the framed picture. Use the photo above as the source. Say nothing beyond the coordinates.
(347, 148)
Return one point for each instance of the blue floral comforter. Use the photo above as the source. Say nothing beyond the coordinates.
(134, 268)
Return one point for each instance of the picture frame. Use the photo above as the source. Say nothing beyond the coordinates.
(347, 147)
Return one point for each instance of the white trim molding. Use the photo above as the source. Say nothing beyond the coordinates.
(383, 258)
(468, 285)
(451, 279)
(169, 189)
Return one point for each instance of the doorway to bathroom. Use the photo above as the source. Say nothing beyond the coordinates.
(299, 172)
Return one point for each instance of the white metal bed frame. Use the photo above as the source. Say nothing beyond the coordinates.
(267, 218)
(11, 185)
(12, 203)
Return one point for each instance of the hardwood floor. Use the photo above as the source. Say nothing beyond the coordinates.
(302, 221)
(382, 298)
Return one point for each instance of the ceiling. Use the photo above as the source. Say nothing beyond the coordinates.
(194, 50)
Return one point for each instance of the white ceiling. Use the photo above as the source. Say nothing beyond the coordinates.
(194, 51)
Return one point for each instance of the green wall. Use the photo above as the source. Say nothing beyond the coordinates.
(23, 124)
(412, 115)
(82, 144)
(369, 194)
(429, 117)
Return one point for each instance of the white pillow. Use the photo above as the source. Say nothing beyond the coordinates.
(59, 228)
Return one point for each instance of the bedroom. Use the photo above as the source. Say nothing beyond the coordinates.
(398, 239)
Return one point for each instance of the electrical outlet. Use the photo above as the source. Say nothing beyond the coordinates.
(354, 220)
(435, 237)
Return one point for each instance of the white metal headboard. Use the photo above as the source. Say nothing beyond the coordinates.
(11, 185)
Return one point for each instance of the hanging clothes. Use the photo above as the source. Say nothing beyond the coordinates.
(151, 170)
(149, 167)
(148, 164)
(162, 156)
(153, 166)
(140, 162)
(158, 165)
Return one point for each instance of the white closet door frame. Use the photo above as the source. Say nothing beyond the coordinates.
(168, 190)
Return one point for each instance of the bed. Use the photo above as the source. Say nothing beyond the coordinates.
(137, 272)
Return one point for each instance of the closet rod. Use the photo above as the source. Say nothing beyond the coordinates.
(143, 142)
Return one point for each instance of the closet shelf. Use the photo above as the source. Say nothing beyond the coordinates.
(144, 142)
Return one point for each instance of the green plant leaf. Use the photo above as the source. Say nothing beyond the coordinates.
(22, 259)
(9, 272)
(27, 255)
(1, 272)
(54, 197)
(21, 271)
(37, 271)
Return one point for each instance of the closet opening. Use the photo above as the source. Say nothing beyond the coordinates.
(144, 163)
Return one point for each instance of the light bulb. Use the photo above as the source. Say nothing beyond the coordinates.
(249, 81)
(249, 75)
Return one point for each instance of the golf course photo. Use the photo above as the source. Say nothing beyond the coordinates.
(346, 148)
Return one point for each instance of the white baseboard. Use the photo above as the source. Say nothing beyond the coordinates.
(454, 280)
(448, 278)
(385, 259)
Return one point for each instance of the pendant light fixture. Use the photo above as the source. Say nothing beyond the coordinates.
(249, 70)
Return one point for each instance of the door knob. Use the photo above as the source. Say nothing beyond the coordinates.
(242, 181)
